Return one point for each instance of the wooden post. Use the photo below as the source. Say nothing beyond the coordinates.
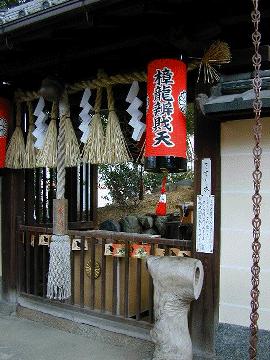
(12, 208)
(204, 318)
(60, 216)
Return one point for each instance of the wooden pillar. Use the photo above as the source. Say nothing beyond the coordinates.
(13, 191)
(94, 197)
(204, 318)
(12, 208)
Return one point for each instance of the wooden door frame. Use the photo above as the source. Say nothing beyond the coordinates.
(12, 209)
(205, 311)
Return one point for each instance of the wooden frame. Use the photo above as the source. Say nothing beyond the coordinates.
(205, 311)
(204, 319)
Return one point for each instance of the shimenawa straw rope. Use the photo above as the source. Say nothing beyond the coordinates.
(30, 150)
(47, 156)
(115, 149)
(16, 147)
(94, 147)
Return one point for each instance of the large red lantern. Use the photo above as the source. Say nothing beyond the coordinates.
(166, 116)
(5, 114)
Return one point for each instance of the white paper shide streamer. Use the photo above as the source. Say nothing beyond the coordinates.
(84, 115)
(40, 123)
(134, 111)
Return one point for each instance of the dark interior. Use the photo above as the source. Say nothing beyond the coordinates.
(122, 36)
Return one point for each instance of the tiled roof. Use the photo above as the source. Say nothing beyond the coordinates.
(26, 9)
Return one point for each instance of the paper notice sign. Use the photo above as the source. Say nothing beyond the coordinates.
(206, 177)
(205, 223)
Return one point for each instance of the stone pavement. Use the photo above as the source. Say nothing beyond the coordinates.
(22, 339)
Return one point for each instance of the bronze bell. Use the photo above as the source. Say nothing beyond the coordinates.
(51, 89)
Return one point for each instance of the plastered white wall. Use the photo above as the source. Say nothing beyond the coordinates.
(236, 229)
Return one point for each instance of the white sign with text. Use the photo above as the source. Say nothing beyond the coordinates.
(205, 212)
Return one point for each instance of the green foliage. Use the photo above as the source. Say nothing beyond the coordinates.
(123, 182)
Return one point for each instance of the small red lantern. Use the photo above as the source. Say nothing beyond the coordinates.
(166, 116)
(4, 118)
(161, 208)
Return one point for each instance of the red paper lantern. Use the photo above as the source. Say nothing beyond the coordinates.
(166, 109)
(5, 115)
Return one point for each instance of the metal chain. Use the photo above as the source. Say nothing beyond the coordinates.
(257, 175)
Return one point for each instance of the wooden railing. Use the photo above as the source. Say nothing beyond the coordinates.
(123, 288)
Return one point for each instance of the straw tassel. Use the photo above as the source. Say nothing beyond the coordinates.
(115, 149)
(16, 147)
(73, 155)
(93, 149)
(72, 148)
(219, 53)
(47, 157)
(30, 151)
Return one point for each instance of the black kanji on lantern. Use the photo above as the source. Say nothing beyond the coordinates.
(163, 107)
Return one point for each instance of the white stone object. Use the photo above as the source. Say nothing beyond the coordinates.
(177, 282)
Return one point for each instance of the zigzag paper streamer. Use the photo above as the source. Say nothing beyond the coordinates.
(84, 115)
(134, 112)
(41, 126)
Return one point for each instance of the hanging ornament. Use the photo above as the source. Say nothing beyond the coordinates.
(72, 148)
(115, 148)
(93, 149)
(4, 119)
(30, 151)
(84, 115)
(16, 147)
(47, 156)
(161, 208)
(134, 112)
(166, 116)
(219, 53)
(40, 123)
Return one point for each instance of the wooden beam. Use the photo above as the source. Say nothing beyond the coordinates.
(205, 311)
